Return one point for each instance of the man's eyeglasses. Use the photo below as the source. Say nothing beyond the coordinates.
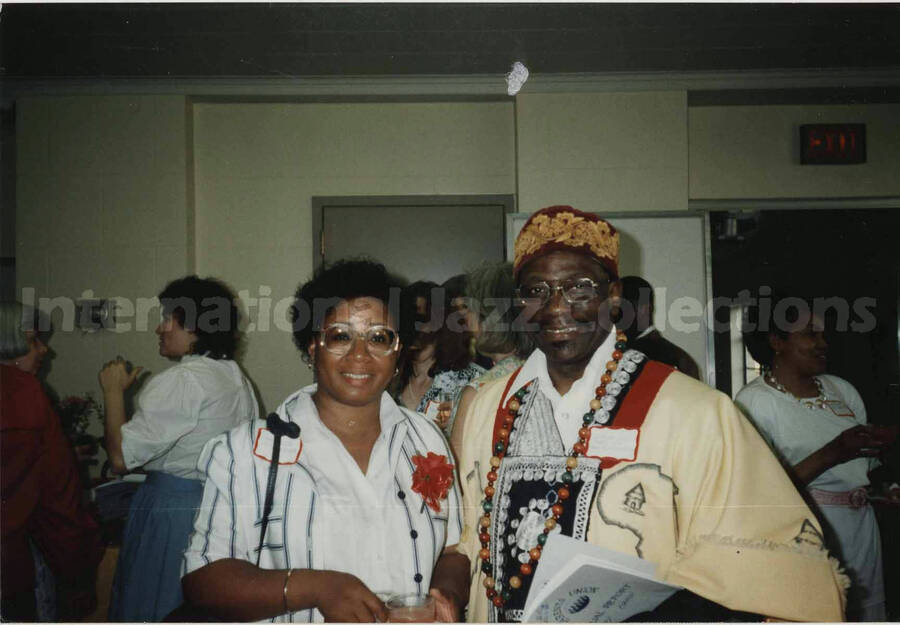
(574, 291)
(380, 341)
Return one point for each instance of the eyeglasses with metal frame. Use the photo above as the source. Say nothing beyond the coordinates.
(574, 291)
(380, 340)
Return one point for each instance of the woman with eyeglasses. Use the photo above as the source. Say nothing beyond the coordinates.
(342, 495)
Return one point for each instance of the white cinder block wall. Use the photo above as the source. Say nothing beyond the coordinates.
(754, 152)
(120, 194)
(259, 165)
(101, 207)
(603, 151)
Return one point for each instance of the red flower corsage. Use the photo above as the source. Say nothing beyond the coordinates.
(432, 479)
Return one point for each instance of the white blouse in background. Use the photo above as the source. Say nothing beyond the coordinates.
(183, 407)
(794, 431)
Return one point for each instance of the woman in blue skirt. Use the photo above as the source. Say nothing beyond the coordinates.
(177, 412)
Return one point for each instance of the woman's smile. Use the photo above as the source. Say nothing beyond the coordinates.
(357, 379)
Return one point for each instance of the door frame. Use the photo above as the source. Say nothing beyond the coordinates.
(321, 202)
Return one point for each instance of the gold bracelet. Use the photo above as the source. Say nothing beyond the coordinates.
(287, 578)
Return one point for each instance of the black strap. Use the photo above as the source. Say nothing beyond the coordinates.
(187, 612)
(278, 428)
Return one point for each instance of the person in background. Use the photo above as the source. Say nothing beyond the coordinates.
(490, 291)
(817, 425)
(364, 498)
(43, 502)
(592, 440)
(461, 317)
(440, 362)
(638, 306)
(178, 411)
(421, 293)
(417, 359)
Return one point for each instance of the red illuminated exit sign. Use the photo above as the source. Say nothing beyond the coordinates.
(832, 144)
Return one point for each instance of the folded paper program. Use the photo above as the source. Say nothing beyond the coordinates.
(578, 582)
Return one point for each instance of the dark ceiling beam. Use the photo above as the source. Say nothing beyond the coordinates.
(294, 40)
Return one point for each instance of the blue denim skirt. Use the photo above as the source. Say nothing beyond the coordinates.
(147, 583)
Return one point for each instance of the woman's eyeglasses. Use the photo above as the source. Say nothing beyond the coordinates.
(574, 291)
(380, 341)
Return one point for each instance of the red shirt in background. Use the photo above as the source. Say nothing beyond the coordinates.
(41, 490)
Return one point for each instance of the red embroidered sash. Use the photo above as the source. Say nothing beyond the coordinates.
(636, 399)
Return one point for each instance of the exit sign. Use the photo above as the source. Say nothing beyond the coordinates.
(832, 144)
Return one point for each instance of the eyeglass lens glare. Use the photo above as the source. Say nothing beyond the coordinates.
(339, 338)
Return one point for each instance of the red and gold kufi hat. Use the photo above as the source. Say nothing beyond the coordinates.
(565, 228)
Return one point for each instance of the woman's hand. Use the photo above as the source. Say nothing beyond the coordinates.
(893, 493)
(114, 376)
(344, 598)
(860, 441)
(114, 379)
(236, 590)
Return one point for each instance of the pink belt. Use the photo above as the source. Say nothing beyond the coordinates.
(856, 498)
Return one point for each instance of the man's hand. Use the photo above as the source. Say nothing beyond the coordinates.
(447, 608)
(450, 585)
(342, 597)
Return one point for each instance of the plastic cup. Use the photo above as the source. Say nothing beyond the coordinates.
(412, 608)
(383, 596)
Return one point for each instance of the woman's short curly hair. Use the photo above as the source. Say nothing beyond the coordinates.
(345, 280)
(772, 312)
(206, 307)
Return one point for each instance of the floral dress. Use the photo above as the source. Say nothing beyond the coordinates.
(450, 383)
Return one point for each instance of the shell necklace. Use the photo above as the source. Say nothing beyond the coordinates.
(810, 402)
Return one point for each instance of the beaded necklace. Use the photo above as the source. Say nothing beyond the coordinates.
(501, 445)
(810, 402)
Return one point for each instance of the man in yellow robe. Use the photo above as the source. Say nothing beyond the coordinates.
(593, 440)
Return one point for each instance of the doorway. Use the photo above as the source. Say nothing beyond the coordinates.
(849, 254)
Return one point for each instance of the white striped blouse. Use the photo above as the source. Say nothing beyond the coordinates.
(326, 513)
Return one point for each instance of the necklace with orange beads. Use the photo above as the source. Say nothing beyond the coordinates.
(500, 446)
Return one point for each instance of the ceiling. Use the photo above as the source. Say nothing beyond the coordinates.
(326, 40)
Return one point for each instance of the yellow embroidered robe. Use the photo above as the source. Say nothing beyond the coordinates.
(719, 516)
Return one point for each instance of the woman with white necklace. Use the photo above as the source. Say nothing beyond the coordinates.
(816, 423)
